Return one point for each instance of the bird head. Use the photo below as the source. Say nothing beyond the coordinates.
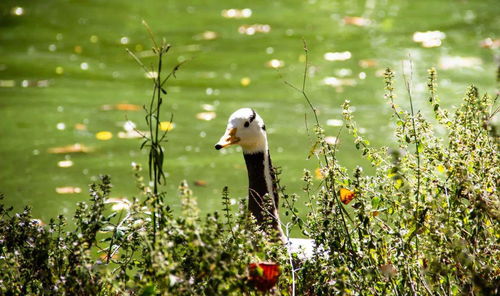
(245, 128)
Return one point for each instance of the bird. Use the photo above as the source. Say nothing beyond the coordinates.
(247, 129)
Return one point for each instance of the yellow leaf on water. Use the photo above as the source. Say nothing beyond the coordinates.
(245, 81)
(367, 63)
(80, 127)
(127, 107)
(200, 183)
(104, 136)
(121, 107)
(167, 125)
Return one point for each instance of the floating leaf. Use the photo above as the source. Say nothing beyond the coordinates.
(208, 35)
(121, 107)
(80, 127)
(167, 125)
(245, 81)
(65, 163)
(200, 183)
(356, 21)
(367, 63)
(68, 190)
(75, 148)
(78, 49)
(346, 195)
(104, 136)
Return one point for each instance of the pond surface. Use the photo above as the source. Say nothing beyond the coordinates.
(67, 83)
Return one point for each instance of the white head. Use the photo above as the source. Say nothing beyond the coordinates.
(245, 128)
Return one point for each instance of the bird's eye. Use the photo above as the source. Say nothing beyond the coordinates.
(247, 124)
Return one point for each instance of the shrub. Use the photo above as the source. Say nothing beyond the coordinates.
(424, 223)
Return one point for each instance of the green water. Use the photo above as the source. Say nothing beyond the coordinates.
(61, 61)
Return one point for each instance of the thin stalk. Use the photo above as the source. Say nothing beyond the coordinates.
(417, 144)
(324, 145)
(110, 249)
(290, 259)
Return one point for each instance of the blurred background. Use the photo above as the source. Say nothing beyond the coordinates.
(71, 97)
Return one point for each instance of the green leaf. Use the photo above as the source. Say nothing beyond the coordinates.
(149, 290)
(420, 148)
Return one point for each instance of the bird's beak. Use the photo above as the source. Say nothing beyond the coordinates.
(228, 139)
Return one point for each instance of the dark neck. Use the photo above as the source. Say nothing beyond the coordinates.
(261, 180)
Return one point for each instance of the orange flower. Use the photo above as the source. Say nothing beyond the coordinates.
(346, 195)
(264, 275)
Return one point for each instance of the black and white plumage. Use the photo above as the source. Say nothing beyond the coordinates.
(246, 128)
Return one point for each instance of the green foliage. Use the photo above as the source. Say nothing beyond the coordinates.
(426, 222)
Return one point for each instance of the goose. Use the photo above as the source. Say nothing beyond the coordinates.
(247, 129)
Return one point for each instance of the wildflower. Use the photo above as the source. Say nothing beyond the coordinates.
(264, 275)
(346, 195)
